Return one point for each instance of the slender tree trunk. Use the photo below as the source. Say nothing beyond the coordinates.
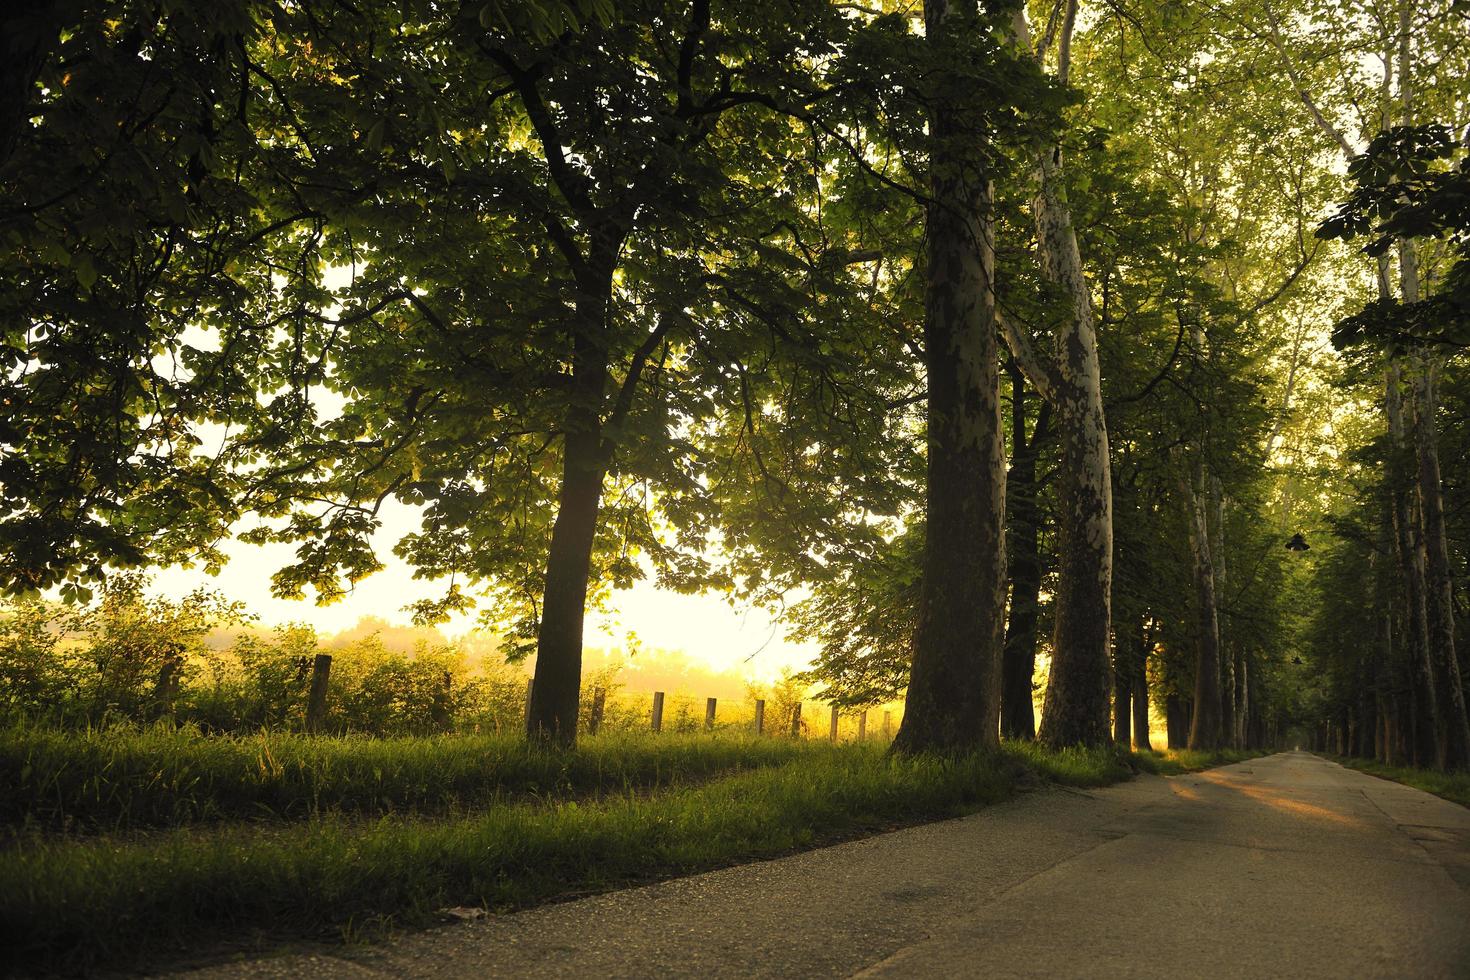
(1140, 687)
(1075, 710)
(1424, 708)
(1122, 694)
(954, 683)
(552, 713)
(1227, 655)
(1141, 740)
(1076, 706)
(1204, 729)
(1018, 711)
(1453, 730)
(1243, 702)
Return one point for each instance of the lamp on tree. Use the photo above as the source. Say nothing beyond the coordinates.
(1297, 543)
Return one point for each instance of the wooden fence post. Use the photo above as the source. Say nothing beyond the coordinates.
(834, 722)
(709, 714)
(316, 703)
(760, 716)
(887, 730)
(863, 726)
(441, 713)
(796, 721)
(526, 721)
(658, 711)
(599, 704)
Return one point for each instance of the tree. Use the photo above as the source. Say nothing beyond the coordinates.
(1076, 706)
(146, 214)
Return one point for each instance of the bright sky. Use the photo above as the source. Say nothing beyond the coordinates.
(704, 626)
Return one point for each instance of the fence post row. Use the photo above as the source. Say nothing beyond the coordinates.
(658, 711)
(760, 716)
(709, 714)
(316, 703)
(863, 726)
(796, 721)
(527, 720)
(834, 722)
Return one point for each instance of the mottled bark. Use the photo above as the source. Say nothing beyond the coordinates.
(954, 684)
(1075, 710)
(1023, 532)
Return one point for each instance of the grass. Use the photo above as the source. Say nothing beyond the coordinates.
(70, 903)
(127, 779)
(1453, 786)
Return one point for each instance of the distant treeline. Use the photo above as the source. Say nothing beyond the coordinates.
(131, 657)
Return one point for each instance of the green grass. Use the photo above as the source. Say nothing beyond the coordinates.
(1453, 786)
(130, 900)
(125, 779)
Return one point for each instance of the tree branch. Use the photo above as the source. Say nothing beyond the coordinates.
(1039, 372)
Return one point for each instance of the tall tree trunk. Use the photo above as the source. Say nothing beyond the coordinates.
(1453, 730)
(1176, 721)
(1452, 727)
(1141, 740)
(1017, 708)
(1204, 729)
(1144, 643)
(1122, 693)
(954, 682)
(1075, 709)
(552, 713)
(1424, 708)
(1242, 702)
(1227, 655)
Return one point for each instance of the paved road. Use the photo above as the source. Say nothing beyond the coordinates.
(1288, 866)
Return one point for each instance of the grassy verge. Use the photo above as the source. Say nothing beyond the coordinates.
(69, 903)
(1453, 786)
(130, 779)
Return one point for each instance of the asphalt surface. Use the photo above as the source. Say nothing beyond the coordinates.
(1288, 866)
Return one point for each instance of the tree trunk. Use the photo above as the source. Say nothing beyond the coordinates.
(1122, 696)
(1017, 708)
(1176, 721)
(1141, 740)
(1243, 702)
(1075, 711)
(1424, 708)
(1226, 654)
(1076, 707)
(552, 713)
(1453, 730)
(954, 682)
(1204, 729)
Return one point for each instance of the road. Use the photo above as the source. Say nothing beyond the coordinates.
(1288, 866)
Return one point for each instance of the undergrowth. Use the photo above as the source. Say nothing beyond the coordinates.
(118, 779)
(71, 902)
